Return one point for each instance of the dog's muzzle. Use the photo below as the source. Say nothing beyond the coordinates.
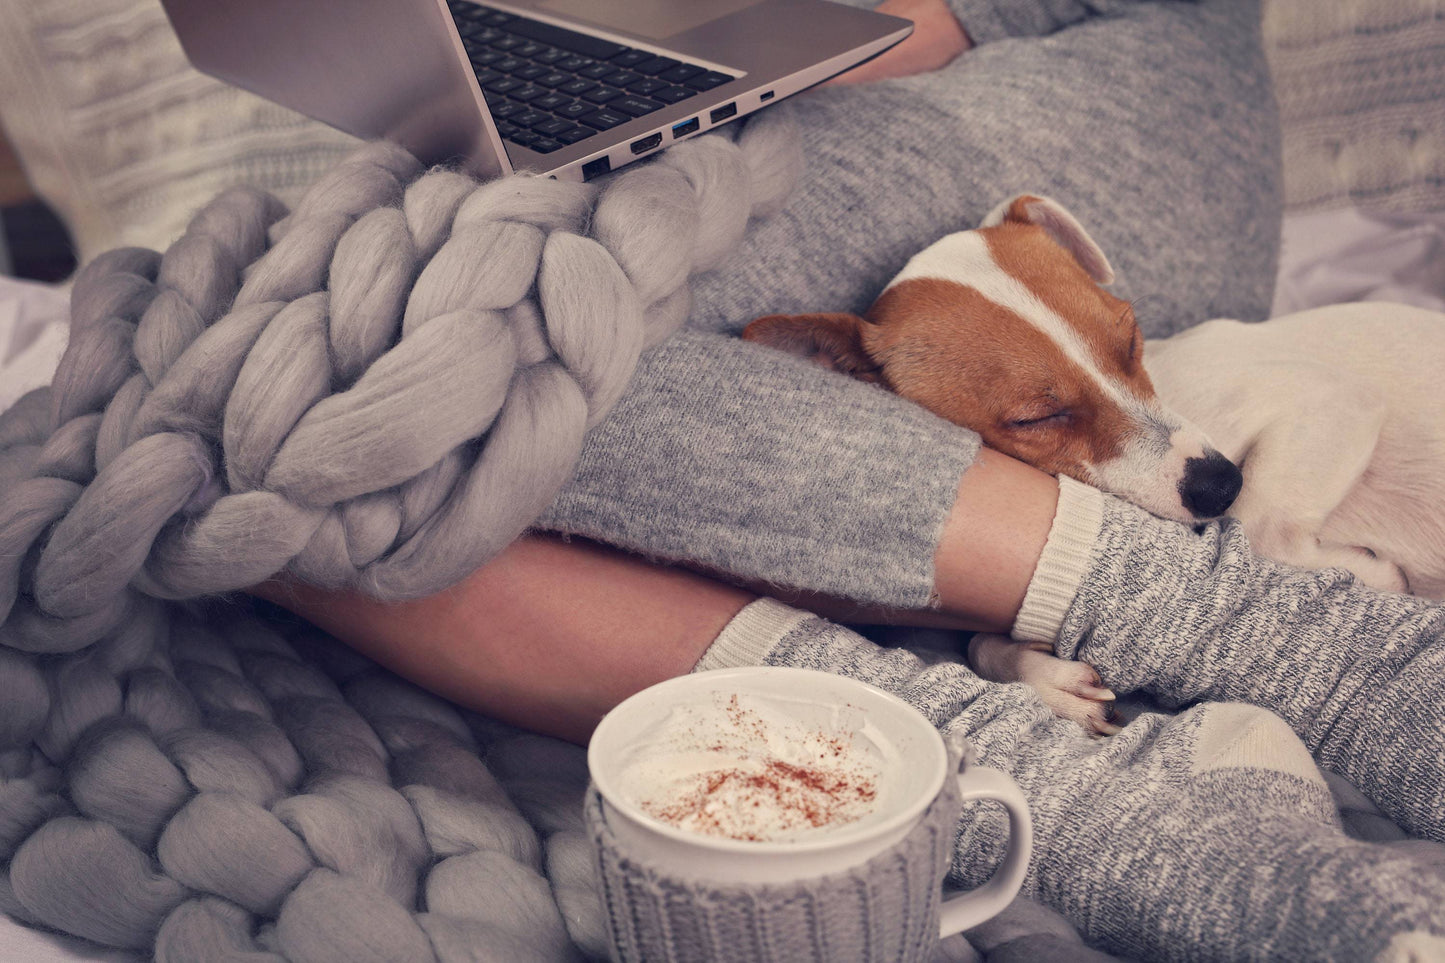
(1210, 485)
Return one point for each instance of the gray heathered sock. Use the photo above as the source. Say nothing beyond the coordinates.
(1148, 841)
(1358, 674)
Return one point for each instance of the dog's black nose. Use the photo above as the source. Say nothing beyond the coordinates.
(1210, 485)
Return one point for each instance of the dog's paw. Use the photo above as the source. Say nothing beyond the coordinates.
(1387, 577)
(1073, 690)
(1366, 566)
(1305, 549)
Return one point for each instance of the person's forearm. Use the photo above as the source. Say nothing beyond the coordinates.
(944, 29)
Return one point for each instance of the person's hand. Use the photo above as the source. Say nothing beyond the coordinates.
(937, 38)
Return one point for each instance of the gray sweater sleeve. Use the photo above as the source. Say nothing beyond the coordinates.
(988, 20)
(750, 461)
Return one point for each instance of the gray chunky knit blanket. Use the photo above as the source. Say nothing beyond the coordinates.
(379, 390)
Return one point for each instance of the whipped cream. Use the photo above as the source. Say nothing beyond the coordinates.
(759, 768)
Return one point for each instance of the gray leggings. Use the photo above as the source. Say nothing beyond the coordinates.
(1154, 123)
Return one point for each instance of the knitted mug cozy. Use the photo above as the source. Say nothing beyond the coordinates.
(886, 909)
(378, 390)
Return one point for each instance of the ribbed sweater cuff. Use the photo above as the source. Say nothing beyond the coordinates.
(1065, 561)
(751, 634)
(980, 20)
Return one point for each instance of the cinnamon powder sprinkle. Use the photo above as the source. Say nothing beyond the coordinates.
(770, 797)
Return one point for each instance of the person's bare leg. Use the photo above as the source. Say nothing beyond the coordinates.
(551, 634)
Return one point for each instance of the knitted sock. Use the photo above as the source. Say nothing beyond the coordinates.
(1193, 617)
(1207, 835)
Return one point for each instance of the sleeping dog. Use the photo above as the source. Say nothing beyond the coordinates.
(1322, 432)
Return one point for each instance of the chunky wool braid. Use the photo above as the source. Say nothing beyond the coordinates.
(378, 390)
(227, 789)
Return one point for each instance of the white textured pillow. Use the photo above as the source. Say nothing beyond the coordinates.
(123, 137)
(1361, 87)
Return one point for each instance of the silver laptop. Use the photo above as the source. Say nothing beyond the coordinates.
(570, 88)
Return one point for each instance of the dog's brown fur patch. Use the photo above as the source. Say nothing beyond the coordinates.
(1003, 370)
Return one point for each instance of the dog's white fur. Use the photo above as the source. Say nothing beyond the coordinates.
(1336, 416)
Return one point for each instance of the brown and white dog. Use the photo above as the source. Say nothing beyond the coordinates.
(1335, 416)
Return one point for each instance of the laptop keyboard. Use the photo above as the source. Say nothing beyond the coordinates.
(548, 87)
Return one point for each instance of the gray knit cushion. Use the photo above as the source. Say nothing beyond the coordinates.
(1361, 90)
(124, 138)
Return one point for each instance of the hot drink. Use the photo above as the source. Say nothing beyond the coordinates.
(762, 768)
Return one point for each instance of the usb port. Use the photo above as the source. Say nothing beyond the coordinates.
(681, 130)
(767, 96)
(724, 112)
(596, 168)
(647, 143)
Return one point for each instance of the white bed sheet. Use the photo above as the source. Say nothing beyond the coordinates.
(1347, 255)
(1328, 257)
(33, 335)
(21, 945)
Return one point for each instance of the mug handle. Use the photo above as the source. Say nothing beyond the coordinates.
(973, 907)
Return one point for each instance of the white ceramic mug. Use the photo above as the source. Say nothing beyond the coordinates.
(916, 766)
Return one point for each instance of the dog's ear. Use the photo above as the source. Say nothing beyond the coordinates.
(1062, 227)
(832, 340)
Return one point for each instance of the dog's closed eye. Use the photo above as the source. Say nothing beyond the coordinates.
(1038, 421)
(1134, 353)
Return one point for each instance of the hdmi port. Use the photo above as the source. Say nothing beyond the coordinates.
(647, 143)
